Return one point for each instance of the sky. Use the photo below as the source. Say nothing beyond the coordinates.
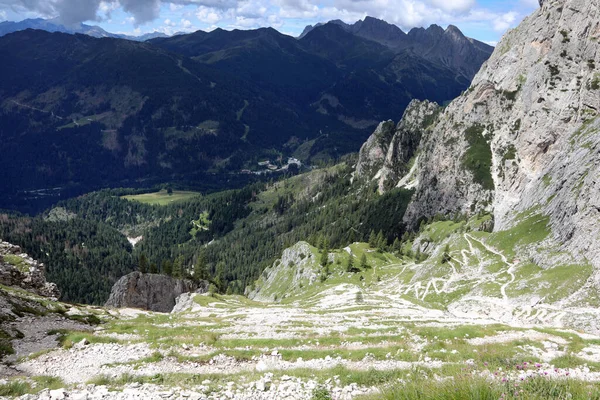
(485, 20)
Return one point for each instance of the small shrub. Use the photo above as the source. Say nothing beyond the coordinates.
(591, 64)
(15, 388)
(320, 393)
(359, 298)
(510, 154)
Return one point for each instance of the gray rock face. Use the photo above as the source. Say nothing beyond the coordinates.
(389, 152)
(534, 107)
(17, 269)
(372, 153)
(151, 291)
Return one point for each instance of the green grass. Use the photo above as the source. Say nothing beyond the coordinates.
(478, 157)
(15, 388)
(440, 230)
(68, 338)
(585, 130)
(18, 387)
(532, 228)
(16, 261)
(162, 198)
(510, 154)
(554, 283)
(469, 387)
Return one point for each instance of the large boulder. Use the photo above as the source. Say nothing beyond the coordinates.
(151, 291)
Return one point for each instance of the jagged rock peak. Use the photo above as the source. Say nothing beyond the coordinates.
(372, 153)
(387, 156)
(151, 291)
(17, 269)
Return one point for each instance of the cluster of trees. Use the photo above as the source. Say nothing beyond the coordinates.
(246, 233)
(84, 258)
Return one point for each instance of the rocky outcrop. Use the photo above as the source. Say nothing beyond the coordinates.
(525, 136)
(17, 269)
(297, 268)
(372, 153)
(401, 152)
(151, 291)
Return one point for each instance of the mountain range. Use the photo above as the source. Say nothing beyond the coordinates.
(54, 25)
(115, 111)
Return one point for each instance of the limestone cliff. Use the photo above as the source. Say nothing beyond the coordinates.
(390, 152)
(525, 135)
(151, 291)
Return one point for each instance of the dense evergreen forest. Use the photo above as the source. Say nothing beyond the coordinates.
(230, 236)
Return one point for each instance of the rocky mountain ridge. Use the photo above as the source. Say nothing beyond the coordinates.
(448, 47)
(54, 25)
(523, 138)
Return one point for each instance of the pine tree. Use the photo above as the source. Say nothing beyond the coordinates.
(220, 277)
(446, 255)
(381, 241)
(200, 268)
(324, 257)
(363, 262)
(351, 236)
(372, 240)
(178, 268)
(143, 263)
(153, 268)
(167, 267)
(325, 244)
(396, 246)
(350, 263)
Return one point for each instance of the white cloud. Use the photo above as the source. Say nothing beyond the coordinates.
(3, 15)
(505, 21)
(282, 13)
(186, 24)
(208, 15)
(454, 6)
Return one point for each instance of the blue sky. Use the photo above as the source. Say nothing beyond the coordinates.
(485, 20)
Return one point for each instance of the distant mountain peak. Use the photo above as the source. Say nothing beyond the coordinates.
(449, 47)
(56, 25)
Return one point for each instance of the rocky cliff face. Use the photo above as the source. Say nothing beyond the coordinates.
(17, 269)
(525, 136)
(390, 153)
(151, 291)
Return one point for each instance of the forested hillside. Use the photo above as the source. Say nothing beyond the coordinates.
(234, 234)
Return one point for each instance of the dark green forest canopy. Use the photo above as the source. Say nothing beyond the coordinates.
(240, 232)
